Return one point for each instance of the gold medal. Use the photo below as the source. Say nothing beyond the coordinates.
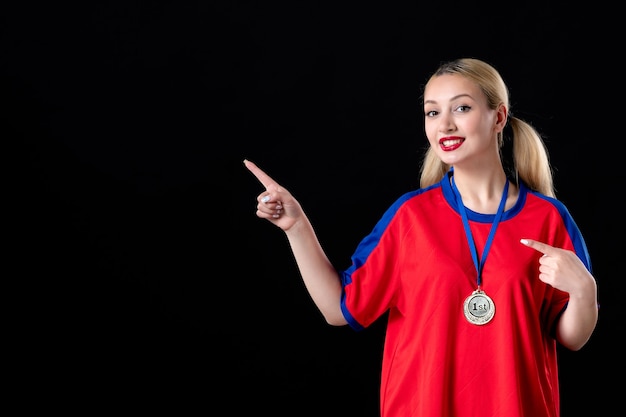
(479, 308)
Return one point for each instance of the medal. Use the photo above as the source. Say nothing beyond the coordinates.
(478, 307)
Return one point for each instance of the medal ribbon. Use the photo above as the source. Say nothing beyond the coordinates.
(468, 231)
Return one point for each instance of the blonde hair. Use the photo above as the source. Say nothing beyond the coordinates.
(530, 155)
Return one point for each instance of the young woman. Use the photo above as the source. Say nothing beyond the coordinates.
(482, 273)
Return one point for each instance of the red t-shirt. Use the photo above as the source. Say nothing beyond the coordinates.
(416, 265)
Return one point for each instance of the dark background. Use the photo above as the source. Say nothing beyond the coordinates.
(145, 282)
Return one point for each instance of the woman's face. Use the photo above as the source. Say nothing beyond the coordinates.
(460, 127)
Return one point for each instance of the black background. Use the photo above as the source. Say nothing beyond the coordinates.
(146, 282)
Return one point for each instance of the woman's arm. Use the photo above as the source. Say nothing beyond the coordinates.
(321, 279)
(563, 270)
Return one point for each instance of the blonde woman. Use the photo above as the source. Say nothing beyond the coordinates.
(482, 271)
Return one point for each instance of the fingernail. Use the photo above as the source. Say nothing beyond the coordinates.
(265, 199)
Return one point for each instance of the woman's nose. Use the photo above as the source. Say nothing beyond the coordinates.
(446, 124)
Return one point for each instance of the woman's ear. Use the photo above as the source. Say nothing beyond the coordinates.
(502, 114)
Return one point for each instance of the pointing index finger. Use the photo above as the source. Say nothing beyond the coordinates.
(263, 178)
(538, 246)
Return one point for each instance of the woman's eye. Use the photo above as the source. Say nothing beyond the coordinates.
(463, 109)
(431, 113)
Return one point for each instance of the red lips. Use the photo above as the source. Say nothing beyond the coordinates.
(450, 143)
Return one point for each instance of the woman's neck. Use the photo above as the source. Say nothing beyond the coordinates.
(481, 190)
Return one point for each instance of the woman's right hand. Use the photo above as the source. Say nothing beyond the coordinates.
(275, 204)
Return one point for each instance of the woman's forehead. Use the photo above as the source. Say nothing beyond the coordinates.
(450, 86)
